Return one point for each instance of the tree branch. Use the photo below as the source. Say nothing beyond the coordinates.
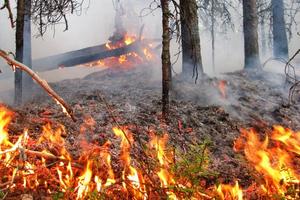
(15, 64)
(10, 15)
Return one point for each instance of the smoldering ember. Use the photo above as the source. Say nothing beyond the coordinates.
(120, 99)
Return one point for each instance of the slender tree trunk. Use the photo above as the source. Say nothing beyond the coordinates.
(166, 62)
(27, 57)
(280, 42)
(250, 23)
(263, 37)
(191, 50)
(23, 48)
(19, 49)
(213, 35)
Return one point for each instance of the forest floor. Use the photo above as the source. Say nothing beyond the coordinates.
(198, 113)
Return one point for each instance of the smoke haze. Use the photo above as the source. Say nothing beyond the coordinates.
(95, 24)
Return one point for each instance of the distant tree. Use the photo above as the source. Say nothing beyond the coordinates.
(192, 65)
(250, 25)
(216, 16)
(166, 61)
(264, 17)
(278, 21)
(280, 41)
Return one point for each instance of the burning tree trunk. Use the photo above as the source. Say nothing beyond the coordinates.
(190, 38)
(23, 47)
(166, 62)
(280, 42)
(250, 22)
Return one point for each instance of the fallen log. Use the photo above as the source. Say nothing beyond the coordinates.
(87, 55)
(101, 55)
(53, 62)
(15, 64)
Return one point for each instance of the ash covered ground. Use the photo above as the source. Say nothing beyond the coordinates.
(198, 113)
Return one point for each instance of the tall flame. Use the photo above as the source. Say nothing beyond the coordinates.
(273, 158)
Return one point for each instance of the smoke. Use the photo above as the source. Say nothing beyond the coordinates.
(96, 23)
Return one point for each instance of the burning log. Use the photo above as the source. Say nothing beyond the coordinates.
(91, 54)
(101, 55)
(15, 64)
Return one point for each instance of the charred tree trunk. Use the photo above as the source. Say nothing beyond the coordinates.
(280, 42)
(166, 62)
(190, 38)
(250, 23)
(23, 47)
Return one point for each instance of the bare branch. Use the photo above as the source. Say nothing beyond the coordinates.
(10, 15)
(15, 64)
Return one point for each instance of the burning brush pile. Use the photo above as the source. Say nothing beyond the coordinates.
(131, 160)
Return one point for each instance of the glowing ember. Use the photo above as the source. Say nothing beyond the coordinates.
(222, 85)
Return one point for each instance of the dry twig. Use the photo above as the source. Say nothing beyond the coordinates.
(10, 15)
(15, 64)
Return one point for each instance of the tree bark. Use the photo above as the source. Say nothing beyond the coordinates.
(213, 35)
(280, 42)
(27, 57)
(263, 37)
(166, 62)
(191, 49)
(250, 24)
(23, 48)
(19, 49)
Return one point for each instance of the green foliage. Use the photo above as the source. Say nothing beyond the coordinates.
(95, 195)
(58, 196)
(193, 164)
(2, 194)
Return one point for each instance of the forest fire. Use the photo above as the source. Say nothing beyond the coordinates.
(140, 125)
(44, 163)
(143, 53)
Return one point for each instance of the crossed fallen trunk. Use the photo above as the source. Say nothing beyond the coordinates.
(15, 64)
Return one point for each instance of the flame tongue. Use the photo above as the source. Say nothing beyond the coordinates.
(130, 174)
(273, 161)
(84, 180)
(166, 178)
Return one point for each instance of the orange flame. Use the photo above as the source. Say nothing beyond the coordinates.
(228, 192)
(166, 178)
(129, 59)
(83, 181)
(274, 162)
(129, 173)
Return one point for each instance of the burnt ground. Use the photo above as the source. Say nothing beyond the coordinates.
(198, 112)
